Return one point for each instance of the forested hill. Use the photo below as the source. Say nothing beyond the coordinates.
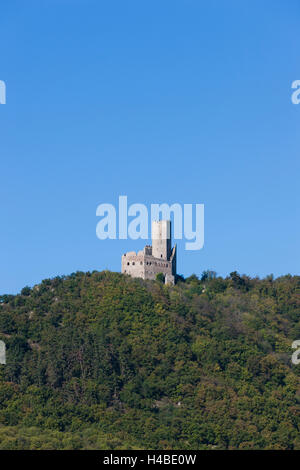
(103, 361)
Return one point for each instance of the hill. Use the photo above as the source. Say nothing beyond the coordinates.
(103, 361)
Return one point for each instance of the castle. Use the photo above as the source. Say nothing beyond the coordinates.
(155, 259)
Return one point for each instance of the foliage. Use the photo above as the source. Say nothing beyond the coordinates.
(103, 361)
(160, 277)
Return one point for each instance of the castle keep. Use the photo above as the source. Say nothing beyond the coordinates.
(155, 259)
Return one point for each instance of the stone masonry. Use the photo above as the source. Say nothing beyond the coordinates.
(155, 259)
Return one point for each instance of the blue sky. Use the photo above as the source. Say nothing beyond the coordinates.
(183, 101)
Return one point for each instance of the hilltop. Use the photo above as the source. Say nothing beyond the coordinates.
(103, 361)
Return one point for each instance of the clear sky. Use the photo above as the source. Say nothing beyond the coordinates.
(183, 101)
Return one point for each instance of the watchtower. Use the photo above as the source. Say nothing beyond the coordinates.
(161, 239)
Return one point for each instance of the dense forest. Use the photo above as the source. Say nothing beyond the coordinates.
(102, 361)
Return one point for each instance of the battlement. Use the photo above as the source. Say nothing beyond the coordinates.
(155, 259)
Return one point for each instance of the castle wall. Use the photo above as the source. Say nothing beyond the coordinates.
(133, 264)
(154, 266)
(147, 267)
(154, 259)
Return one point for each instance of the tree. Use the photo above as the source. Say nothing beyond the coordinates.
(160, 277)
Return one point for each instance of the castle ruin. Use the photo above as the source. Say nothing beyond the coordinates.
(155, 259)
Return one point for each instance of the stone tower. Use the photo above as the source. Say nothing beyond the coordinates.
(155, 259)
(161, 239)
